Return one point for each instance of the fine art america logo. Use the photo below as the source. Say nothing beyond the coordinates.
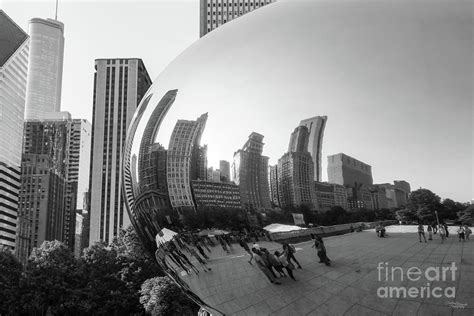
(414, 274)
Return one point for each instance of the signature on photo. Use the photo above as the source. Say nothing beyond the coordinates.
(456, 304)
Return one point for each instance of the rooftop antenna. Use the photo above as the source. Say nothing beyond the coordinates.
(56, 15)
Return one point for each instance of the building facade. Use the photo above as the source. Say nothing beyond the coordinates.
(347, 171)
(214, 13)
(216, 194)
(250, 173)
(119, 85)
(45, 70)
(182, 157)
(315, 126)
(44, 183)
(13, 71)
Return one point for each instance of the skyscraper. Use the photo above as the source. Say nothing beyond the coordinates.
(13, 69)
(315, 127)
(214, 13)
(119, 85)
(250, 172)
(77, 176)
(45, 70)
(44, 175)
(181, 160)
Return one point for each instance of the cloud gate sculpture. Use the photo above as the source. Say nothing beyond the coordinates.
(221, 139)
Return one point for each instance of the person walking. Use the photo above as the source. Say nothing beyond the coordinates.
(290, 250)
(461, 233)
(467, 231)
(430, 232)
(421, 232)
(244, 245)
(263, 267)
(289, 267)
(274, 262)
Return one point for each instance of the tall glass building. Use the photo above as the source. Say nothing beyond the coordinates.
(13, 71)
(45, 71)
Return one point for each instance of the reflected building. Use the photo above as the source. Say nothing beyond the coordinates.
(273, 181)
(45, 70)
(213, 175)
(295, 173)
(347, 171)
(202, 163)
(214, 13)
(216, 194)
(13, 69)
(315, 126)
(119, 85)
(181, 162)
(224, 168)
(250, 173)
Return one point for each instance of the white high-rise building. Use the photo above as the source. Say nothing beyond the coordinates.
(119, 85)
(214, 13)
(45, 70)
(13, 71)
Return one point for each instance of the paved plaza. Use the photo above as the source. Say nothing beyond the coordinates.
(350, 285)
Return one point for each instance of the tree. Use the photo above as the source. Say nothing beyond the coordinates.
(51, 284)
(423, 198)
(10, 277)
(161, 296)
(467, 216)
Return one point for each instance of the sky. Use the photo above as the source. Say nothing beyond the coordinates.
(394, 80)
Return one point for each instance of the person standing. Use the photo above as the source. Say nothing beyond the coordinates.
(446, 229)
(442, 233)
(461, 233)
(290, 250)
(430, 232)
(467, 231)
(421, 232)
(321, 249)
